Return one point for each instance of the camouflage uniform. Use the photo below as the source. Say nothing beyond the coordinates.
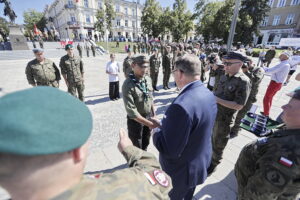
(93, 48)
(79, 48)
(235, 88)
(131, 183)
(134, 48)
(269, 168)
(127, 66)
(72, 68)
(46, 74)
(255, 75)
(154, 69)
(167, 63)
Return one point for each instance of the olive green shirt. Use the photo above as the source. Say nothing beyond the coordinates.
(127, 66)
(72, 68)
(143, 180)
(134, 100)
(269, 168)
(42, 74)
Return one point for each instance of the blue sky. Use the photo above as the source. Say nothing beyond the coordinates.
(20, 6)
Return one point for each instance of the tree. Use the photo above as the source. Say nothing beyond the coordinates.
(165, 21)
(100, 23)
(4, 31)
(199, 8)
(110, 14)
(151, 15)
(32, 17)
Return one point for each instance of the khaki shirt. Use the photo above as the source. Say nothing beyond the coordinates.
(143, 180)
(270, 167)
(135, 103)
(72, 68)
(42, 74)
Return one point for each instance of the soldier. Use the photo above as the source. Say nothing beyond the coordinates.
(41, 42)
(231, 94)
(93, 48)
(42, 71)
(269, 168)
(255, 75)
(139, 47)
(127, 64)
(154, 68)
(134, 48)
(72, 70)
(270, 54)
(48, 157)
(87, 48)
(79, 48)
(167, 63)
(138, 100)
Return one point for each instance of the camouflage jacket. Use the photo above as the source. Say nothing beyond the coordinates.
(154, 63)
(270, 167)
(142, 180)
(127, 66)
(42, 74)
(255, 75)
(72, 68)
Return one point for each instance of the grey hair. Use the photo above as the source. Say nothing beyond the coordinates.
(190, 65)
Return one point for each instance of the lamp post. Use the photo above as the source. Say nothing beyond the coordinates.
(233, 24)
(105, 28)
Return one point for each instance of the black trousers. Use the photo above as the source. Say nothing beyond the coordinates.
(138, 133)
(114, 90)
(182, 193)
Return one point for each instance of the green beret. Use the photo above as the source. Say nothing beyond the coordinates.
(68, 46)
(42, 120)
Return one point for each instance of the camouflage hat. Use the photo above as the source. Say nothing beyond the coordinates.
(295, 94)
(140, 60)
(41, 121)
(37, 50)
(68, 46)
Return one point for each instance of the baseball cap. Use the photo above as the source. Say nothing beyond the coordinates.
(234, 55)
(286, 53)
(41, 121)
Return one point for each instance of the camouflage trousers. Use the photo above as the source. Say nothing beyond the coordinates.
(154, 75)
(51, 84)
(167, 74)
(220, 136)
(74, 88)
(240, 115)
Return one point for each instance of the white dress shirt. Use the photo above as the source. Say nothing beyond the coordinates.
(114, 69)
(279, 72)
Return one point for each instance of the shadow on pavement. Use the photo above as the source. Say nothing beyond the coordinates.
(108, 170)
(97, 101)
(100, 95)
(217, 191)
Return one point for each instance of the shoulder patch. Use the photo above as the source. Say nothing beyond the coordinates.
(150, 178)
(275, 177)
(161, 178)
(286, 162)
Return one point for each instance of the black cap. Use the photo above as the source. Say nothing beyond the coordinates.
(234, 55)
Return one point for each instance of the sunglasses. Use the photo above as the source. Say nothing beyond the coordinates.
(230, 63)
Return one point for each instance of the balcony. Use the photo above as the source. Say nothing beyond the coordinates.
(70, 6)
(73, 23)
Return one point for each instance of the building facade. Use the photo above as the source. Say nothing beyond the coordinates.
(283, 21)
(75, 19)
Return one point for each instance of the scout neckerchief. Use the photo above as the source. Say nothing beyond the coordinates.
(142, 85)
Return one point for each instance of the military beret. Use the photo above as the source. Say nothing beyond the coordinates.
(68, 46)
(37, 50)
(41, 121)
(295, 94)
(140, 60)
(234, 55)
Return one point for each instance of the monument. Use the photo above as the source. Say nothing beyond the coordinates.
(16, 37)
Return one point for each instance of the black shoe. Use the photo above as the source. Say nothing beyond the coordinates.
(211, 169)
(165, 88)
(154, 88)
(232, 135)
(168, 87)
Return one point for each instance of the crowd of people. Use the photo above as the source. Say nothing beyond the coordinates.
(190, 138)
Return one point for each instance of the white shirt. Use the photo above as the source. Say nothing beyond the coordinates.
(114, 69)
(294, 61)
(279, 72)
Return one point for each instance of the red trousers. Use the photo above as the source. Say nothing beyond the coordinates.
(272, 89)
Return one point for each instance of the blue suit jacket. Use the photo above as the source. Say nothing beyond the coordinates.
(184, 142)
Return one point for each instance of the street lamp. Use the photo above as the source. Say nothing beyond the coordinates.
(233, 24)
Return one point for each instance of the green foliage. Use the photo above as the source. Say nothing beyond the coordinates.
(165, 21)
(4, 31)
(105, 17)
(100, 23)
(151, 15)
(32, 17)
(110, 14)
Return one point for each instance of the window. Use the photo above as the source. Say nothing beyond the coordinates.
(295, 2)
(86, 3)
(88, 19)
(118, 22)
(133, 11)
(270, 3)
(265, 21)
(73, 19)
(126, 23)
(70, 2)
(289, 19)
(117, 8)
(281, 3)
(126, 11)
(276, 20)
(100, 4)
(133, 24)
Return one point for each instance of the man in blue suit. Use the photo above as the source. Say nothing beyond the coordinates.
(184, 138)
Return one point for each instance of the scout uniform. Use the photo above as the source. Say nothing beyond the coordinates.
(72, 68)
(255, 75)
(138, 101)
(45, 74)
(154, 69)
(231, 88)
(144, 179)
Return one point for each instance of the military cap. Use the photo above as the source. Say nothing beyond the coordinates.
(140, 60)
(68, 46)
(37, 50)
(234, 55)
(295, 94)
(41, 121)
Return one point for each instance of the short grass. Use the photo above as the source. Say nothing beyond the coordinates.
(278, 51)
(112, 46)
